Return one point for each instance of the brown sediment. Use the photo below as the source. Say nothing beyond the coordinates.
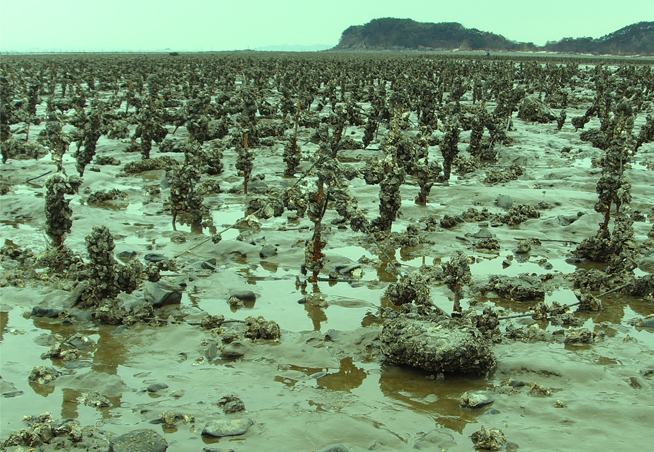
(307, 359)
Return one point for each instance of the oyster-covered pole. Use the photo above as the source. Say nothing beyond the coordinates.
(245, 159)
(185, 198)
(102, 275)
(292, 150)
(457, 274)
(57, 209)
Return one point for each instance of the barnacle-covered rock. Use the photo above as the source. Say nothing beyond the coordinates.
(436, 344)
(412, 287)
(488, 439)
(522, 287)
(43, 375)
(532, 109)
(260, 328)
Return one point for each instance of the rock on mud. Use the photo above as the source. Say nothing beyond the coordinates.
(43, 375)
(477, 399)
(260, 328)
(234, 350)
(224, 427)
(488, 439)
(522, 287)
(160, 294)
(436, 346)
(532, 109)
(244, 295)
(143, 440)
(231, 404)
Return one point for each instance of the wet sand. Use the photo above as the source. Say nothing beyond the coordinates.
(324, 382)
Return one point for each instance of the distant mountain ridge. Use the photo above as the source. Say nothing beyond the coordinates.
(407, 34)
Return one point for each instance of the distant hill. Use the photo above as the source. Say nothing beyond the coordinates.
(636, 39)
(407, 34)
(294, 48)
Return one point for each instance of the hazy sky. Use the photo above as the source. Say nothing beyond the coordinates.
(195, 25)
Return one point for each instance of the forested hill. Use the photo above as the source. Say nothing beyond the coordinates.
(636, 39)
(407, 34)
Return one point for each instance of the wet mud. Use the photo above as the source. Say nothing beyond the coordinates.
(218, 336)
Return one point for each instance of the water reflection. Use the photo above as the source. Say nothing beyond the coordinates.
(4, 320)
(421, 391)
(316, 308)
(108, 353)
(347, 378)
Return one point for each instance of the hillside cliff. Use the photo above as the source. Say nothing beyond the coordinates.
(407, 34)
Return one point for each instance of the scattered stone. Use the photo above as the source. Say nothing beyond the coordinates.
(504, 201)
(531, 333)
(211, 322)
(260, 328)
(538, 390)
(567, 220)
(155, 257)
(231, 404)
(244, 295)
(235, 303)
(353, 271)
(587, 301)
(170, 418)
(155, 387)
(209, 264)
(482, 234)
(8, 389)
(519, 213)
(267, 251)
(486, 439)
(143, 440)
(250, 223)
(488, 244)
(47, 312)
(643, 322)
(64, 434)
(559, 404)
(314, 299)
(178, 237)
(126, 256)
(211, 352)
(43, 375)
(448, 222)
(336, 448)
(523, 247)
(477, 399)
(579, 336)
(234, 350)
(96, 400)
(104, 196)
(160, 294)
(224, 427)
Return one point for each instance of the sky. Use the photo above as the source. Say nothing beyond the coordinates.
(213, 25)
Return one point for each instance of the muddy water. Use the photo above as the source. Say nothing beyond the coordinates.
(324, 383)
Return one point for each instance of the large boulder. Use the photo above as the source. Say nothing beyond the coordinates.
(436, 344)
(532, 109)
(143, 440)
(523, 287)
